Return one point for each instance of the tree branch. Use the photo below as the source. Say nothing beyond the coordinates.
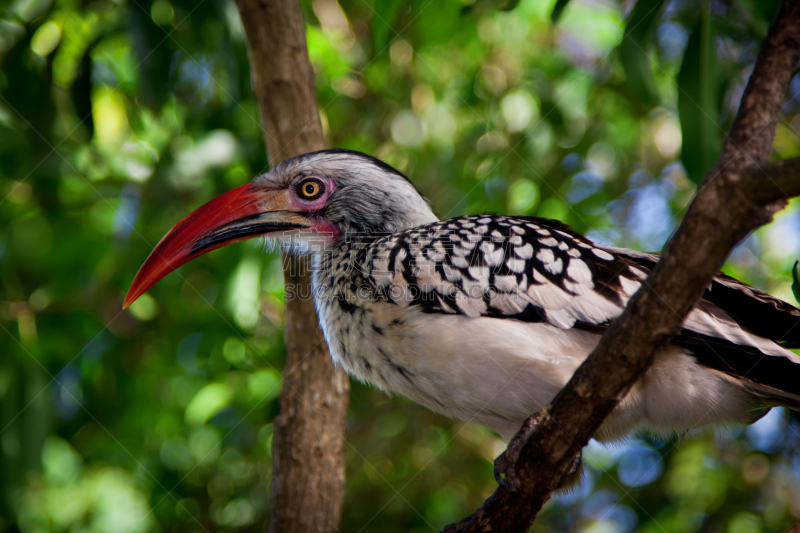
(753, 129)
(308, 444)
(783, 178)
(735, 198)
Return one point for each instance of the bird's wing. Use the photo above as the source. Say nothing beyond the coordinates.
(540, 270)
(752, 308)
(751, 346)
(487, 265)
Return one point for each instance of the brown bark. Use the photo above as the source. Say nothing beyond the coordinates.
(308, 443)
(737, 196)
(781, 174)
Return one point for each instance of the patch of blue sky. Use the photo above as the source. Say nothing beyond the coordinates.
(767, 434)
(583, 185)
(650, 219)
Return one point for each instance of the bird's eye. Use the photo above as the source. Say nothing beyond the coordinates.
(311, 189)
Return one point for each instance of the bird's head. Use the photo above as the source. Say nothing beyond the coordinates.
(308, 203)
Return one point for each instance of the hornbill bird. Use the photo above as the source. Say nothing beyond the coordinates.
(486, 317)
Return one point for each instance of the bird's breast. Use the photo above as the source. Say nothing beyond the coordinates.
(484, 370)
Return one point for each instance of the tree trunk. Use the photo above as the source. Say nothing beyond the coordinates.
(309, 443)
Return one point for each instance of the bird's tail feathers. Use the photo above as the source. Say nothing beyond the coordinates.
(773, 378)
(773, 396)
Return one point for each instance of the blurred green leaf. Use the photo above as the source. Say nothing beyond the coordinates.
(796, 281)
(633, 50)
(762, 13)
(507, 5)
(382, 24)
(698, 103)
(557, 10)
(207, 402)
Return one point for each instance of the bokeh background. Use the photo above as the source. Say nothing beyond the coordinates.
(119, 117)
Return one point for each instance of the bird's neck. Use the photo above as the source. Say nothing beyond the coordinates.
(338, 275)
(337, 263)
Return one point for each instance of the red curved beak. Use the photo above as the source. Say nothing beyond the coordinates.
(242, 213)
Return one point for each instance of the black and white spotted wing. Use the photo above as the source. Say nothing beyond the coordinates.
(488, 265)
(540, 270)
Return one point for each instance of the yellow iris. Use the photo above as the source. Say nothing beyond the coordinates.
(310, 189)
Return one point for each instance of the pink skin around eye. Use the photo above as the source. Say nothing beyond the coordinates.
(320, 225)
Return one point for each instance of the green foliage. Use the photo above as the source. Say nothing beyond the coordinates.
(633, 50)
(383, 18)
(698, 104)
(117, 118)
(557, 10)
